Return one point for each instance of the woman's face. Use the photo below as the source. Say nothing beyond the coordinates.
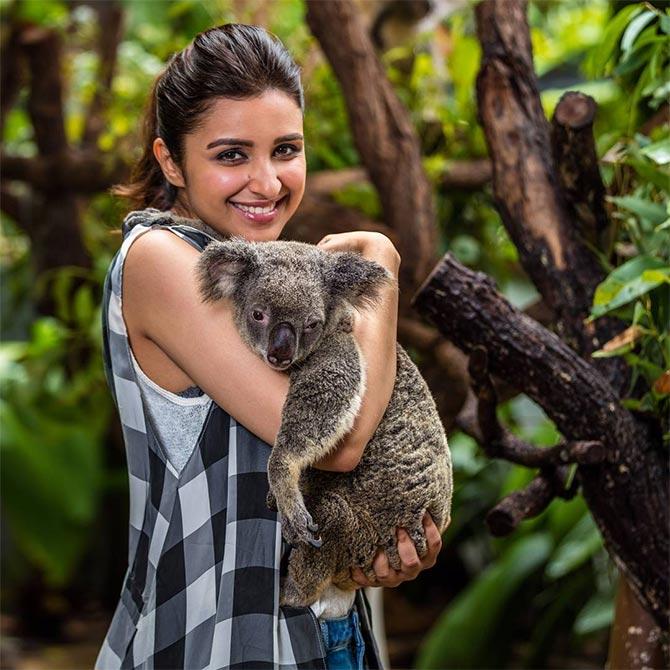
(243, 169)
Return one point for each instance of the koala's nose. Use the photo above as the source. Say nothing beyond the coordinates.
(282, 344)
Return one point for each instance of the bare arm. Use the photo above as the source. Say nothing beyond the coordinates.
(161, 303)
(375, 331)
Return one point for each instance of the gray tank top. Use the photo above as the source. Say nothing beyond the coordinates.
(178, 417)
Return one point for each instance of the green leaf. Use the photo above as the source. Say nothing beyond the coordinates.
(645, 209)
(647, 171)
(631, 290)
(601, 54)
(460, 637)
(659, 152)
(582, 542)
(630, 270)
(50, 482)
(631, 280)
(634, 61)
(598, 613)
(634, 28)
(466, 249)
(48, 334)
(650, 370)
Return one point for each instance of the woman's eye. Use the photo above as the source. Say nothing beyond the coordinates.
(287, 149)
(257, 315)
(230, 155)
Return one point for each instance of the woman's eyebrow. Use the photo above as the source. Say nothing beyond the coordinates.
(248, 143)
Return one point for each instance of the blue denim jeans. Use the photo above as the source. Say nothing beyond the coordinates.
(345, 648)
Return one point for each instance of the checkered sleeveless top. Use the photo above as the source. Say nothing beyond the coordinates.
(205, 554)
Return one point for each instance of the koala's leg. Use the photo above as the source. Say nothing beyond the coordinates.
(323, 400)
(310, 570)
(297, 523)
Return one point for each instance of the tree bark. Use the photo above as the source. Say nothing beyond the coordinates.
(628, 492)
(526, 186)
(636, 642)
(383, 133)
(574, 152)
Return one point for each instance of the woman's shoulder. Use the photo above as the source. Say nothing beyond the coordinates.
(192, 230)
(149, 216)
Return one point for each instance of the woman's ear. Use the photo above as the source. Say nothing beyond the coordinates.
(222, 266)
(170, 169)
(355, 279)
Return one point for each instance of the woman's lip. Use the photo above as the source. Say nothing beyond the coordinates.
(260, 218)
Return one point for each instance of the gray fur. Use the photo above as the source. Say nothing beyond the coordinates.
(405, 469)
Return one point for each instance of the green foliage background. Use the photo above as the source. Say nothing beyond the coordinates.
(552, 580)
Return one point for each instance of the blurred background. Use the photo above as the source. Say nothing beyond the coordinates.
(75, 78)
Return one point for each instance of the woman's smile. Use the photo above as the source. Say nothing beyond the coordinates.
(259, 211)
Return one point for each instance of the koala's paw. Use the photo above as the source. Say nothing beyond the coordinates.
(300, 527)
(271, 501)
(393, 555)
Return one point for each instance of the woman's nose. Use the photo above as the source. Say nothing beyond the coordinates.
(264, 180)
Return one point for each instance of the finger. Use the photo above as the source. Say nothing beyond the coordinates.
(381, 566)
(386, 575)
(409, 559)
(359, 577)
(433, 540)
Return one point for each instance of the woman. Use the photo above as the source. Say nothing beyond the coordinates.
(223, 146)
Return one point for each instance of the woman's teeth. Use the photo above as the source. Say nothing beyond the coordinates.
(256, 210)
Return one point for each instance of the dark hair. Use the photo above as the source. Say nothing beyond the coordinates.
(230, 61)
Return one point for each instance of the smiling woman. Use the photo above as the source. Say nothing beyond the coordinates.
(224, 153)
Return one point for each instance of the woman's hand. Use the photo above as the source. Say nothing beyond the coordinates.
(411, 564)
(373, 246)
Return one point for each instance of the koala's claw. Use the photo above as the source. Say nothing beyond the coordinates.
(300, 527)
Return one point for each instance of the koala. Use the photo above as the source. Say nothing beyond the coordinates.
(294, 306)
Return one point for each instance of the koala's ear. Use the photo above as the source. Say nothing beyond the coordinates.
(222, 266)
(355, 279)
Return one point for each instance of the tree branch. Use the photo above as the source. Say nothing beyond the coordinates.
(528, 502)
(526, 186)
(84, 173)
(627, 493)
(498, 442)
(383, 133)
(576, 160)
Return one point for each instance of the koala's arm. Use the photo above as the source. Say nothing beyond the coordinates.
(375, 330)
(179, 341)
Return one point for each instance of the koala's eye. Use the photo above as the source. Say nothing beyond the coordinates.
(257, 315)
(312, 325)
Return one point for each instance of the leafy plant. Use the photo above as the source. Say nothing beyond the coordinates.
(635, 51)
